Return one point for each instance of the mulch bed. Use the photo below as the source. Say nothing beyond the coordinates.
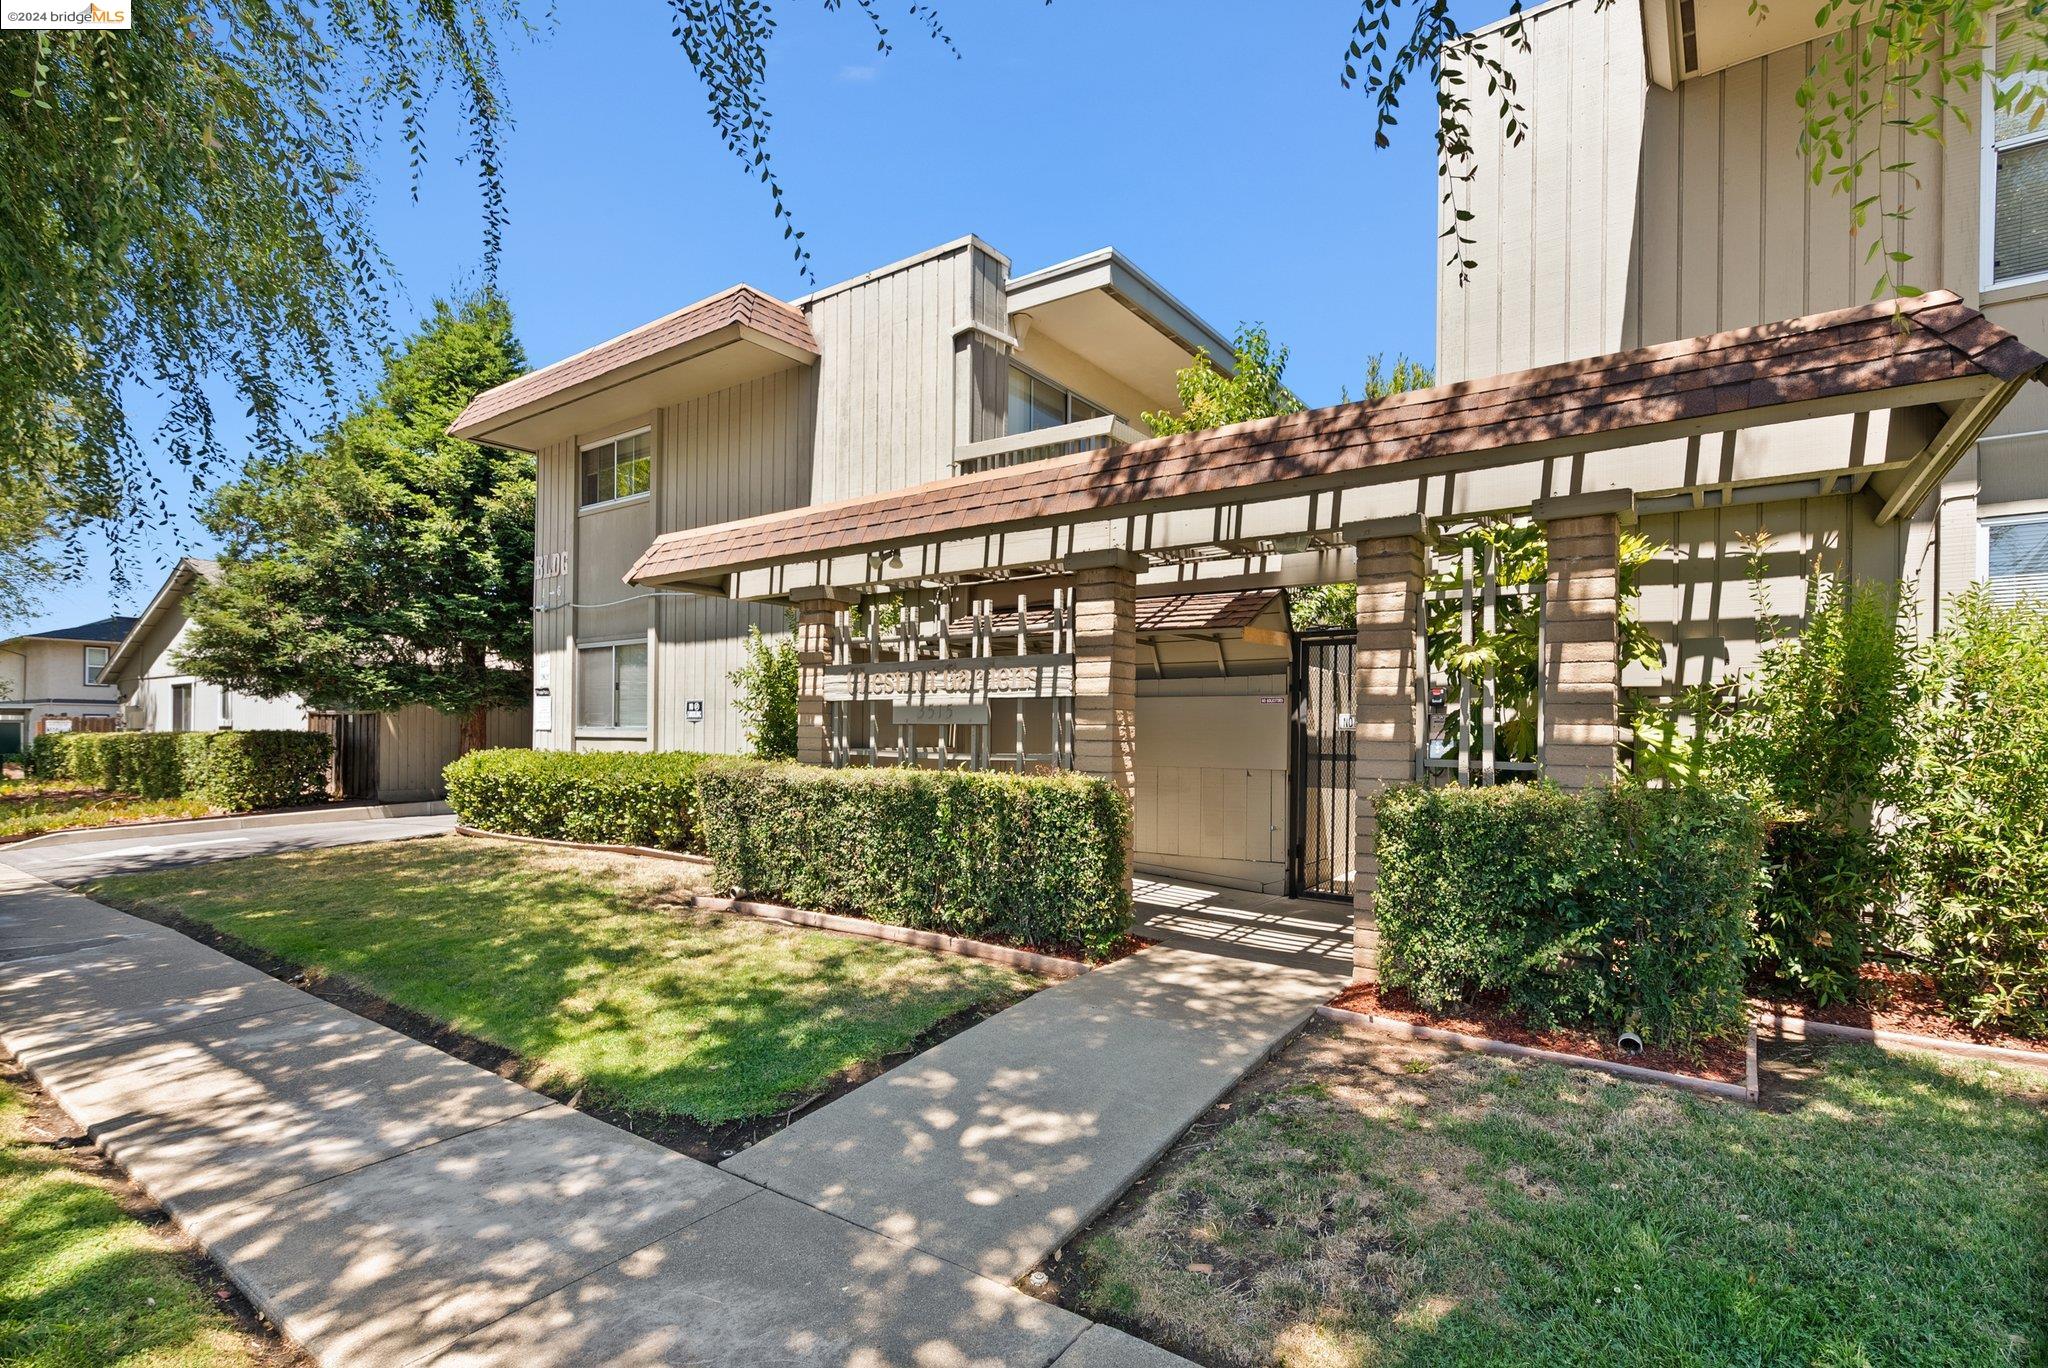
(1723, 1061)
(1898, 999)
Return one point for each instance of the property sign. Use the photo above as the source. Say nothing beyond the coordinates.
(693, 710)
(543, 710)
(53, 726)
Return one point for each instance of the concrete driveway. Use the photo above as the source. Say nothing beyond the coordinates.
(136, 850)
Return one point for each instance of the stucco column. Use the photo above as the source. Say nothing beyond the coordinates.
(1387, 706)
(1580, 668)
(816, 613)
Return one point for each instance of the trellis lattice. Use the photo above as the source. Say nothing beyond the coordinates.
(1482, 636)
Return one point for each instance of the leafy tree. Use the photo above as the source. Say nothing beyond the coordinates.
(1901, 66)
(391, 564)
(768, 691)
(183, 205)
(1256, 387)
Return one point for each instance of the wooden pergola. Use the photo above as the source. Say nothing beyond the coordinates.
(1884, 398)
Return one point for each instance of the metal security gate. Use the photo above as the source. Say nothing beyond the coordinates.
(1323, 800)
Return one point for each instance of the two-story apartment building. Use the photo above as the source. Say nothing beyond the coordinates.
(948, 363)
(55, 680)
(1660, 194)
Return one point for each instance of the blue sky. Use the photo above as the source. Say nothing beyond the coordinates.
(1208, 140)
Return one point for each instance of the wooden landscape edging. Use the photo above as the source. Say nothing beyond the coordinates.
(1801, 1028)
(1740, 1092)
(1030, 961)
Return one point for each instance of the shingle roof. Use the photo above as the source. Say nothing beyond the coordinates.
(1212, 610)
(1847, 352)
(742, 304)
(104, 629)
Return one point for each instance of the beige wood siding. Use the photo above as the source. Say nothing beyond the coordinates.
(415, 744)
(1212, 780)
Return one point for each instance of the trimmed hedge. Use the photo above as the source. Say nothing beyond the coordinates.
(1623, 908)
(233, 770)
(1032, 860)
(603, 797)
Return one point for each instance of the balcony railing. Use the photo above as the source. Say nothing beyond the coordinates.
(1089, 434)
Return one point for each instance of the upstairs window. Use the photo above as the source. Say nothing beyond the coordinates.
(95, 663)
(2016, 560)
(1037, 403)
(2018, 153)
(617, 469)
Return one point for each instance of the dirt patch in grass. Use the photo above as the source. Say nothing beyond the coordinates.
(1361, 1200)
(1724, 1061)
(1898, 999)
(92, 1271)
(589, 977)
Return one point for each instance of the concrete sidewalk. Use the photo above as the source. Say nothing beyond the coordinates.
(994, 1147)
(387, 1204)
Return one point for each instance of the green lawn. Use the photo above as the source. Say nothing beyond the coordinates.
(1378, 1203)
(83, 1284)
(589, 966)
(29, 807)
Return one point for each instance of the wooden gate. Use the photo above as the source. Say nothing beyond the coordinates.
(352, 773)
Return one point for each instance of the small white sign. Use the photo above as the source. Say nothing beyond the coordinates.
(543, 673)
(543, 710)
(63, 14)
(693, 710)
(1346, 722)
(52, 726)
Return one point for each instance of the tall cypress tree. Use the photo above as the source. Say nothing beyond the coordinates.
(390, 564)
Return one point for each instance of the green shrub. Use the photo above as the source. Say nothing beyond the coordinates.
(232, 770)
(1816, 738)
(241, 770)
(1032, 860)
(603, 797)
(1620, 908)
(767, 686)
(1973, 832)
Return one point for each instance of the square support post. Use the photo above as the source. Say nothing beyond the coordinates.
(1387, 700)
(816, 615)
(1106, 671)
(1580, 667)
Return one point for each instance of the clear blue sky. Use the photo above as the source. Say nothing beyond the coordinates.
(1208, 140)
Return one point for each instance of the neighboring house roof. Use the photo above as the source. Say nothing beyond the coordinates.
(106, 630)
(1642, 393)
(167, 598)
(740, 307)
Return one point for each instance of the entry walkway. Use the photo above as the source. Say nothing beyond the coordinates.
(387, 1204)
(1305, 933)
(991, 1149)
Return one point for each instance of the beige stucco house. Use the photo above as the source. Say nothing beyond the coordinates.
(55, 680)
(390, 757)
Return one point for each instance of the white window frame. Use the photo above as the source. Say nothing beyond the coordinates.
(227, 709)
(92, 679)
(1984, 526)
(1987, 178)
(594, 444)
(576, 701)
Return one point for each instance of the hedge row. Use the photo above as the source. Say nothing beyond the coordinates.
(1623, 908)
(1033, 860)
(609, 798)
(236, 771)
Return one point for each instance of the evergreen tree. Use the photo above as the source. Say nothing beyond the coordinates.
(390, 565)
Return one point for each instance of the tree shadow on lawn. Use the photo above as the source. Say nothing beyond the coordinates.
(562, 999)
(1526, 1214)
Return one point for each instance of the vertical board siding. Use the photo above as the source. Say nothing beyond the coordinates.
(1695, 202)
